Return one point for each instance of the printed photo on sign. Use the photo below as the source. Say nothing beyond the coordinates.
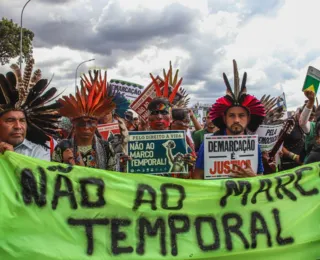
(157, 152)
(221, 153)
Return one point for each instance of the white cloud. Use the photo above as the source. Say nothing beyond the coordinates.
(274, 41)
(280, 46)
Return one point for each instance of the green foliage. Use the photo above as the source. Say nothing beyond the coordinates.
(10, 41)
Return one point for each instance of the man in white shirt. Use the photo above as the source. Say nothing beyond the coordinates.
(26, 123)
(13, 130)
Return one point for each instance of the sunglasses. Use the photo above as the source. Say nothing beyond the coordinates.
(157, 112)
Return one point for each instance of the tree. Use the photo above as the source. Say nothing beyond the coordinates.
(10, 41)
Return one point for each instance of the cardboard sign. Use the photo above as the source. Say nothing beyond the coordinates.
(157, 152)
(128, 89)
(222, 152)
(140, 105)
(106, 129)
(268, 136)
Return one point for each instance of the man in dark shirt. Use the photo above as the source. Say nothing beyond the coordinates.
(292, 145)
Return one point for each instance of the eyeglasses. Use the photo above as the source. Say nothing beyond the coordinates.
(86, 124)
(161, 112)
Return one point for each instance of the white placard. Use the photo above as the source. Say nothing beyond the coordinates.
(268, 136)
(221, 153)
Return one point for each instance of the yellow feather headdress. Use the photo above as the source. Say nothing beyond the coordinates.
(176, 96)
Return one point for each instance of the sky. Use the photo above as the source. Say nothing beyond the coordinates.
(274, 41)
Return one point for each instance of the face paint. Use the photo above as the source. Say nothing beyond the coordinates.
(159, 122)
(160, 119)
(85, 127)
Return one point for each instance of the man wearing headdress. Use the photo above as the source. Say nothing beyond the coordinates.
(168, 112)
(273, 117)
(26, 122)
(160, 107)
(90, 104)
(233, 114)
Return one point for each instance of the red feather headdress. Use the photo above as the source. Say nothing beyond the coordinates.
(171, 93)
(90, 101)
(238, 97)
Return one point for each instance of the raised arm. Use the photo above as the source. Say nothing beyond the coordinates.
(306, 112)
(194, 120)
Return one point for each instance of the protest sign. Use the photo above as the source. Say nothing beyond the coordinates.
(55, 212)
(268, 136)
(128, 89)
(221, 153)
(140, 105)
(106, 129)
(281, 102)
(157, 152)
(312, 80)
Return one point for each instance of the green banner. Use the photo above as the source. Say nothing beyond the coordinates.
(52, 211)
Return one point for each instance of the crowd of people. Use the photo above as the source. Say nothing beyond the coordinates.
(36, 121)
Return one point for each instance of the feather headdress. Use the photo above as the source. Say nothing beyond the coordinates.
(90, 101)
(176, 96)
(30, 94)
(237, 97)
(121, 103)
(274, 113)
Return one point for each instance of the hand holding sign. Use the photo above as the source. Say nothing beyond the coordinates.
(240, 172)
(67, 156)
(124, 159)
(310, 95)
(189, 159)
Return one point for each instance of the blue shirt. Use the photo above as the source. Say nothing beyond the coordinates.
(33, 150)
(200, 159)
